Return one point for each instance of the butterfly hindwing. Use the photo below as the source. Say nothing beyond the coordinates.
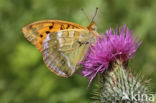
(63, 50)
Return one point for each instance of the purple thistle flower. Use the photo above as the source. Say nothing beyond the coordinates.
(114, 46)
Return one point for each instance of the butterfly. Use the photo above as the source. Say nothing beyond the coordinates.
(62, 44)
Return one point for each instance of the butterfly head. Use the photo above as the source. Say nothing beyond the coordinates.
(92, 26)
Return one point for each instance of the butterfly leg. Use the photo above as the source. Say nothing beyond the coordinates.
(91, 48)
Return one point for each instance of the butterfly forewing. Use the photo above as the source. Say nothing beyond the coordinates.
(63, 50)
(36, 32)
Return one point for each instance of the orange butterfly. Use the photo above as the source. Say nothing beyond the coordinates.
(63, 44)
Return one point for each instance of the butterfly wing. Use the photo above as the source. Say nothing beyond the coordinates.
(36, 32)
(64, 49)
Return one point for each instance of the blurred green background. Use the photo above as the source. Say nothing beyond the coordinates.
(24, 77)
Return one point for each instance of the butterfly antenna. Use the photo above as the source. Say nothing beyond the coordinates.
(94, 14)
(85, 14)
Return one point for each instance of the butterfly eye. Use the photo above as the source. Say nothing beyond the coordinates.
(93, 27)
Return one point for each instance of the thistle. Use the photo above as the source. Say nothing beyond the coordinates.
(109, 58)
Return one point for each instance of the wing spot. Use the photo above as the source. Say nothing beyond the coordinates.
(80, 43)
(41, 35)
(47, 32)
(67, 26)
(50, 27)
(87, 42)
(62, 27)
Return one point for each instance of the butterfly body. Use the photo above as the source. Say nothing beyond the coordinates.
(62, 44)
